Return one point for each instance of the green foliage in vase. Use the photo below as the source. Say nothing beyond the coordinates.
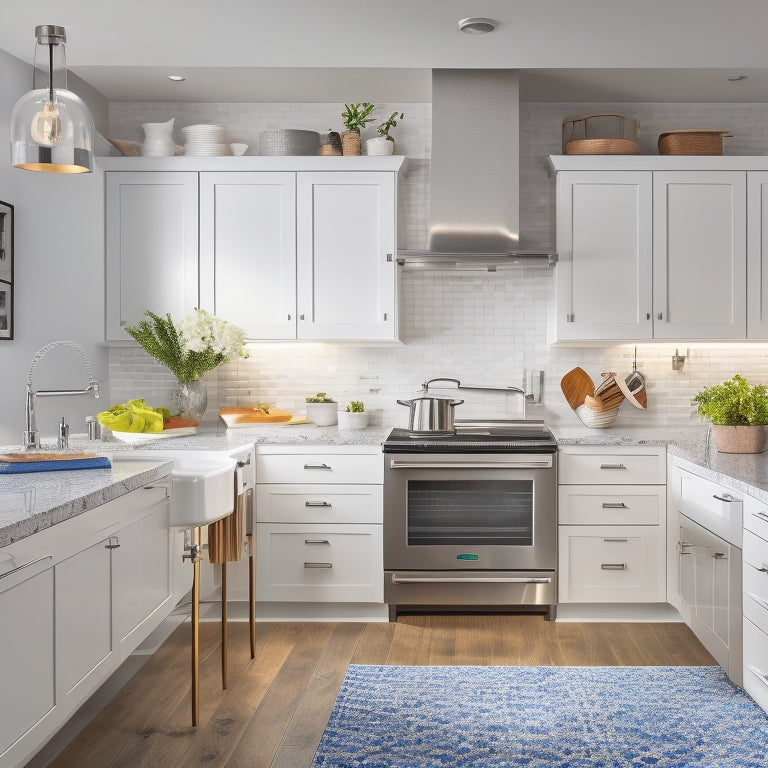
(198, 344)
(320, 397)
(734, 403)
(357, 116)
(355, 407)
(388, 125)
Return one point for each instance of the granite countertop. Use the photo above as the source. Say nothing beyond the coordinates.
(37, 500)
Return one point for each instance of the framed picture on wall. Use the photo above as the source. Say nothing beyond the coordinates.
(6, 271)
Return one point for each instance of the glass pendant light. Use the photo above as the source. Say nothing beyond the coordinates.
(51, 128)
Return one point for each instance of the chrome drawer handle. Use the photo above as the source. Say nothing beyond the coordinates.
(318, 565)
(725, 497)
(720, 556)
(615, 541)
(613, 466)
(764, 569)
(471, 579)
(759, 674)
(614, 505)
(764, 515)
(26, 565)
(614, 566)
(318, 504)
(317, 466)
(316, 541)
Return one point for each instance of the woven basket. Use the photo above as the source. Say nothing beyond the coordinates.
(288, 141)
(602, 125)
(350, 143)
(602, 147)
(692, 141)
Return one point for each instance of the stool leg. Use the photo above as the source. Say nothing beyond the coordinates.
(251, 596)
(224, 626)
(196, 634)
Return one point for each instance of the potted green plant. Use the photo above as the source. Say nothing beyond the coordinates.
(384, 144)
(355, 117)
(738, 412)
(354, 417)
(321, 409)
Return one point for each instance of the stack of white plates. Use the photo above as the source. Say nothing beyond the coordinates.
(205, 140)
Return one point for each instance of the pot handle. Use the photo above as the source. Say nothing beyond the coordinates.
(425, 385)
(406, 403)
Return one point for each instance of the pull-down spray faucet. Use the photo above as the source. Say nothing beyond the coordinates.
(31, 436)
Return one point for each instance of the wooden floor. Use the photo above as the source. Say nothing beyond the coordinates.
(277, 705)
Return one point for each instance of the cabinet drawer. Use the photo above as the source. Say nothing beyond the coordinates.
(624, 505)
(616, 564)
(713, 506)
(756, 517)
(316, 468)
(284, 503)
(312, 563)
(756, 663)
(755, 579)
(611, 468)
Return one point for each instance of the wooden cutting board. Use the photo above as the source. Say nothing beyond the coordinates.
(25, 457)
(576, 385)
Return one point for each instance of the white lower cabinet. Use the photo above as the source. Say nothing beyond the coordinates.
(755, 584)
(319, 524)
(612, 524)
(76, 599)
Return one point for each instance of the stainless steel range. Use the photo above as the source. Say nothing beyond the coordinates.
(470, 519)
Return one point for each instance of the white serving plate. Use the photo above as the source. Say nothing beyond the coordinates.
(141, 437)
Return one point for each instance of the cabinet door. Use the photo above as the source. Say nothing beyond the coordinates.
(757, 255)
(699, 255)
(345, 260)
(604, 255)
(26, 659)
(84, 637)
(248, 251)
(151, 232)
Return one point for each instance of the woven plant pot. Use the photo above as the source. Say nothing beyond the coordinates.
(350, 143)
(746, 439)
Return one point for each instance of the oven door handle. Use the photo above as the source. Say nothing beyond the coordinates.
(471, 579)
(527, 464)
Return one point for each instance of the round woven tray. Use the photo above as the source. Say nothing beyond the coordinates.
(602, 147)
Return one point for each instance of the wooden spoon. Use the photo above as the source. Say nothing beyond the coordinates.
(576, 385)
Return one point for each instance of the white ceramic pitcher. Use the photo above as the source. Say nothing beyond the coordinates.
(158, 139)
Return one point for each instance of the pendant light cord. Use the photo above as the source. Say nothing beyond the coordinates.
(50, 72)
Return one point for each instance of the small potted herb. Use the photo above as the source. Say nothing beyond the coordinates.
(384, 144)
(321, 409)
(354, 417)
(738, 412)
(355, 117)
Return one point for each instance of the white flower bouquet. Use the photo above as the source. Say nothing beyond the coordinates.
(199, 343)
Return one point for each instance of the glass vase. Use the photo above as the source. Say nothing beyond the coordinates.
(189, 399)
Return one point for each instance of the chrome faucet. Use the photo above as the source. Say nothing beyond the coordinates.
(31, 435)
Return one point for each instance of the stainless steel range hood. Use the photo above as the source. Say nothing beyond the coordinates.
(474, 216)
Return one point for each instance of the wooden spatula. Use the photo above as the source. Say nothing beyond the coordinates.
(576, 385)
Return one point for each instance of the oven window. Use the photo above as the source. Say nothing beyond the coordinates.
(470, 512)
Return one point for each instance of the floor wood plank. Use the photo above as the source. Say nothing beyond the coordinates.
(277, 705)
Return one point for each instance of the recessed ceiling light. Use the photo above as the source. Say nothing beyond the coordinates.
(736, 78)
(477, 25)
(177, 78)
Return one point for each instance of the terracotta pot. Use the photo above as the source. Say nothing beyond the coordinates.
(747, 439)
(350, 143)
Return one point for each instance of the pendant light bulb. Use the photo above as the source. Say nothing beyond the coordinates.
(46, 125)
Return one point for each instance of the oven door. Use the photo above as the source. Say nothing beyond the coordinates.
(464, 512)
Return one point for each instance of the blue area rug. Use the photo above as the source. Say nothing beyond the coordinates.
(515, 717)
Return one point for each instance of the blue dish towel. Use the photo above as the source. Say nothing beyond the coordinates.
(18, 467)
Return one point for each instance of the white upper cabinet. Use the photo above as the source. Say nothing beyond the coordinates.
(699, 255)
(757, 255)
(604, 255)
(346, 256)
(151, 240)
(248, 251)
(656, 248)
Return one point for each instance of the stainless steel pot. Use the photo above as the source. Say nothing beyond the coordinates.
(431, 414)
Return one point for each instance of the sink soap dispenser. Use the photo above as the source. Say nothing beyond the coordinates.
(63, 441)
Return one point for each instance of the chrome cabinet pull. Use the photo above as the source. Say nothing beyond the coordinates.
(471, 579)
(613, 466)
(318, 504)
(764, 569)
(764, 515)
(725, 497)
(759, 674)
(720, 556)
(616, 541)
(318, 565)
(614, 566)
(682, 548)
(112, 543)
(660, 316)
(316, 541)
(614, 505)
(317, 466)
(26, 565)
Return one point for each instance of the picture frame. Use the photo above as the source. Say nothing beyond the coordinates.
(6, 271)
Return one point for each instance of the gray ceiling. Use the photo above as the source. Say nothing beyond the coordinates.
(333, 50)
